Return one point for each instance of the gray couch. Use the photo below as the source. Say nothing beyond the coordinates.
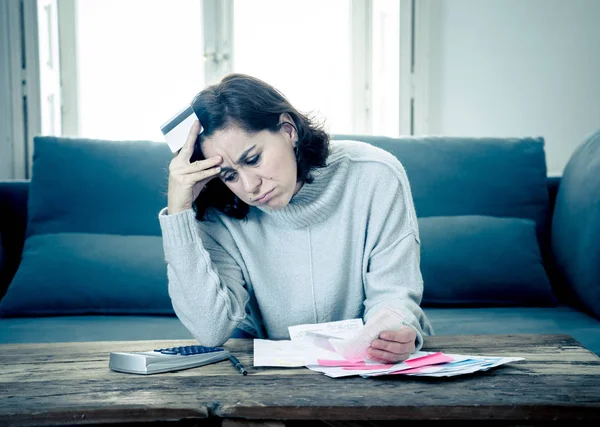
(505, 249)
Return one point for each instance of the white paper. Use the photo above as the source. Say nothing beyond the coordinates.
(462, 365)
(347, 341)
(341, 329)
(355, 348)
(290, 354)
(278, 353)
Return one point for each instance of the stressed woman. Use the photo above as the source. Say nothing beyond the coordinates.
(270, 224)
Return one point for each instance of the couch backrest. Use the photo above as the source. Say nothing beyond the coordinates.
(117, 188)
(93, 186)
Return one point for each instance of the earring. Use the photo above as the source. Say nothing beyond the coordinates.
(296, 149)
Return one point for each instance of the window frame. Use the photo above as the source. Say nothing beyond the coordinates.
(22, 66)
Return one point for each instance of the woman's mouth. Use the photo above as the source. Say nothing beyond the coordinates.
(265, 197)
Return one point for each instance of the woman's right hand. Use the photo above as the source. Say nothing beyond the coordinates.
(186, 180)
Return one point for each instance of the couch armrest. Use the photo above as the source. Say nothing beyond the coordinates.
(576, 225)
(13, 207)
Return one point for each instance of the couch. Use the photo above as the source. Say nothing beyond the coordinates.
(505, 248)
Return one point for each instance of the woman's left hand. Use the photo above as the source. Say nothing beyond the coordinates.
(393, 346)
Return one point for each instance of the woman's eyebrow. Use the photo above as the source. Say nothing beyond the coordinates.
(240, 159)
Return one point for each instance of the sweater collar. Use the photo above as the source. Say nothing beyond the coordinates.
(316, 201)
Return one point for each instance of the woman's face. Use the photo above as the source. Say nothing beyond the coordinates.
(259, 168)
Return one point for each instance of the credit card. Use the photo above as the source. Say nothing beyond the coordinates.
(177, 129)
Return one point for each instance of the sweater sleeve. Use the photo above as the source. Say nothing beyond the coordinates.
(206, 284)
(393, 274)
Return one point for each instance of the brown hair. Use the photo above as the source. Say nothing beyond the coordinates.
(253, 106)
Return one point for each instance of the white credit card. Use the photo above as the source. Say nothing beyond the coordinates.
(177, 129)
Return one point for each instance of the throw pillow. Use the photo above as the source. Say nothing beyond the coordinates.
(71, 273)
(482, 260)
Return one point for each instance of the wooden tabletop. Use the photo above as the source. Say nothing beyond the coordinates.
(70, 383)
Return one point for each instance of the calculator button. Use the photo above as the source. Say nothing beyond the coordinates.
(189, 350)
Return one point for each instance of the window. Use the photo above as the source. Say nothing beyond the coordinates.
(128, 66)
(302, 47)
(138, 63)
(386, 67)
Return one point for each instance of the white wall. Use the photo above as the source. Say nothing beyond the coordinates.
(516, 68)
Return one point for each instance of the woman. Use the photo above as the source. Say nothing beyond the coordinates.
(269, 224)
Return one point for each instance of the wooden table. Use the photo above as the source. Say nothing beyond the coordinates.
(70, 383)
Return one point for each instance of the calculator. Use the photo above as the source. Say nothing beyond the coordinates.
(166, 359)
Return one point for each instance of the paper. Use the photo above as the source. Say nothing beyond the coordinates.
(355, 349)
(279, 353)
(431, 359)
(320, 335)
(337, 349)
(308, 344)
(468, 366)
(341, 329)
(289, 354)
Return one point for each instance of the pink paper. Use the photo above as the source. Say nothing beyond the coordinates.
(431, 359)
(366, 367)
(409, 371)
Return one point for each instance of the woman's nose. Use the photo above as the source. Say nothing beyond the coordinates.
(250, 181)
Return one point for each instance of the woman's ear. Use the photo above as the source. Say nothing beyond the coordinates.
(288, 126)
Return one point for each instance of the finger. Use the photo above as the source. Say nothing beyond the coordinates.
(193, 178)
(403, 335)
(385, 356)
(390, 346)
(394, 347)
(188, 147)
(199, 166)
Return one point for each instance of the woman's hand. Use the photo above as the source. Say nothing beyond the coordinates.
(186, 180)
(393, 346)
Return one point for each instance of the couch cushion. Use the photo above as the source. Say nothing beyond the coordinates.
(503, 177)
(91, 186)
(91, 328)
(445, 321)
(576, 224)
(72, 273)
(482, 260)
(95, 328)
(517, 320)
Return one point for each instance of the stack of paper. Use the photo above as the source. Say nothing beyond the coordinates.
(338, 349)
(421, 363)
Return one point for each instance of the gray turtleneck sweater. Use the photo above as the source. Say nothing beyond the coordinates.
(343, 247)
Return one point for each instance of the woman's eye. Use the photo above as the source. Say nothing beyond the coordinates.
(253, 160)
(230, 177)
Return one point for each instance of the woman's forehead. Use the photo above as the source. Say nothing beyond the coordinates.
(231, 141)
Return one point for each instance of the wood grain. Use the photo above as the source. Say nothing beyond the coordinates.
(70, 383)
